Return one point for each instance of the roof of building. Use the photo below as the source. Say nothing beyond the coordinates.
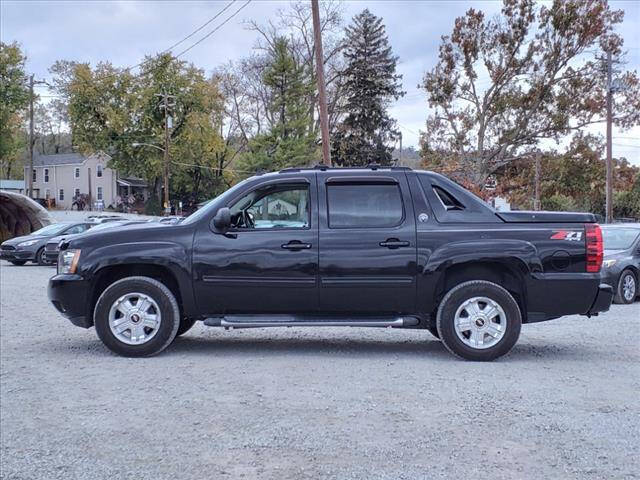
(58, 159)
(11, 184)
(132, 182)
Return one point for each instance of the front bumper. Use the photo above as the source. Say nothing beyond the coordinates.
(17, 255)
(51, 256)
(603, 300)
(70, 294)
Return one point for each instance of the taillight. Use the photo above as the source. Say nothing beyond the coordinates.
(594, 246)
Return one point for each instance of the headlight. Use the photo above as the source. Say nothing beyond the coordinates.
(27, 243)
(68, 261)
(609, 263)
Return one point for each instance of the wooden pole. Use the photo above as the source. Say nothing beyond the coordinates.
(609, 180)
(30, 180)
(322, 94)
(536, 201)
(90, 194)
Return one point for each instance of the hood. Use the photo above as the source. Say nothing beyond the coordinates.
(116, 233)
(615, 253)
(57, 239)
(16, 240)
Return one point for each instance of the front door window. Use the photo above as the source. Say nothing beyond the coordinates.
(272, 207)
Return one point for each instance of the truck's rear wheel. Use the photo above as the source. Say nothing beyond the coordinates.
(479, 320)
(137, 317)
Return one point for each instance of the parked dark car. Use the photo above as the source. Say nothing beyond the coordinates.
(621, 265)
(20, 250)
(370, 247)
(52, 247)
(103, 218)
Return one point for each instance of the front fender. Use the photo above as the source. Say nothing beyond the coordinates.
(170, 255)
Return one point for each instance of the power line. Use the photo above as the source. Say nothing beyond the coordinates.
(201, 27)
(408, 129)
(626, 146)
(214, 30)
(188, 36)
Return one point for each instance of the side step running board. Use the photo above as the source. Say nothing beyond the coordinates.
(258, 321)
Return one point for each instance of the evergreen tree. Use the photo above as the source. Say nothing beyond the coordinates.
(370, 83)
(288, 143)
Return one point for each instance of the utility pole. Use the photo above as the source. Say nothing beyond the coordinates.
(400, 161)
(167, 119)
(322, 94)
(31, 136)
(32, 82)
(609, 181)
(536, 200)
(90, 194)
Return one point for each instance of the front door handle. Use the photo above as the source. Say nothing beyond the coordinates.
(393, 243)
(296, 245)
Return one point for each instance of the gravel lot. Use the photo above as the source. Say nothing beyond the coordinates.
(314, 403)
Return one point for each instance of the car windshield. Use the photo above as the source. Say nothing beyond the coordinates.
(619, 238)
(52, 229)
(205, 209)
(103, 226)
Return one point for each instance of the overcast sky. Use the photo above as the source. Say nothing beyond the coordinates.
(124, 31)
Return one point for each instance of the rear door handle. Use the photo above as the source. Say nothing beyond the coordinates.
(393, 243)
(296, 245)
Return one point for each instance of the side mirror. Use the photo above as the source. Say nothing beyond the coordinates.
(222, 220)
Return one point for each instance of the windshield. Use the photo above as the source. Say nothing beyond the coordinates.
(52, 229)
(206, 209)
(103, 226)
(619, 238)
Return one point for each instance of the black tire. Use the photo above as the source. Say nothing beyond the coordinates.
(40, 258)
(169, 311)
(454, 299)
(619, 296)
(18, 263)
(185, 325)
(434, 331)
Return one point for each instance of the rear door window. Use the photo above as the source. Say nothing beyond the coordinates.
(364, 205)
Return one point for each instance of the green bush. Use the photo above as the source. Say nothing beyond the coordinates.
(559, 203)
(152, 206)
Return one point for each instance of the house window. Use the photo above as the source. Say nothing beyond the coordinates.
(33, 175)
(47, 194)
(76, 194)
(76, 172)
(99, 170)
(61, 195)
(46, 175)
(99, 193)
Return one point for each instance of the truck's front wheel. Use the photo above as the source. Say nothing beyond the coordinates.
(479, 320)
(137, 317)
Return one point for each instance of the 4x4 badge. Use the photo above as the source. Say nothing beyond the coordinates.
(566, 235)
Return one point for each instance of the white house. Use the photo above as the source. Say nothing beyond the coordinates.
(64, 176)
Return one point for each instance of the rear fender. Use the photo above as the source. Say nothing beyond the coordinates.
(512, 259)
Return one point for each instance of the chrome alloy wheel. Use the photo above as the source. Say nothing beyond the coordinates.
(629, 287)
(134, 318)
(480, 322)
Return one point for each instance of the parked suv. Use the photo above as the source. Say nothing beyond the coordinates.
(369, 247)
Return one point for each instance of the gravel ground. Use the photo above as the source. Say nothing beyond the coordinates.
(314, 403)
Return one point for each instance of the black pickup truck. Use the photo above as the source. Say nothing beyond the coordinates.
(370, 247)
